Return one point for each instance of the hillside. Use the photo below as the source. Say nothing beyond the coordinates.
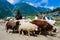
(26, 9)
(10, 6)
(4, 10)
(42, 9)
(56, 10)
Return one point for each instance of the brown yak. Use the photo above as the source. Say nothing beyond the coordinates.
(43, 26)
(12, 25)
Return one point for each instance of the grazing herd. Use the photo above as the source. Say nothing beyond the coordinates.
(34, 26)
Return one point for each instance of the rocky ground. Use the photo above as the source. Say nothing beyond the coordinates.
(15, 36)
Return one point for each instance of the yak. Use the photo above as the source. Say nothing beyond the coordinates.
(43, 26)
(12, 25)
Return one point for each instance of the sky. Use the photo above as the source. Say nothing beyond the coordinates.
(39, 3)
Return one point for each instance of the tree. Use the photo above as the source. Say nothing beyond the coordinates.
(18, 15)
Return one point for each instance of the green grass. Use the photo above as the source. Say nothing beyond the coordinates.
(31, 17)
(57, 23)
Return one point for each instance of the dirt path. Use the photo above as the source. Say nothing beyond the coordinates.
(15, 36)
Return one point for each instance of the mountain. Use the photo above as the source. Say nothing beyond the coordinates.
(4, 10)
(26, 9)
(56, 10)
(42, 9)
(7, 9)
(10, 6)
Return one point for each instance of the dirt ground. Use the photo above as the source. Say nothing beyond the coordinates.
(15, 36)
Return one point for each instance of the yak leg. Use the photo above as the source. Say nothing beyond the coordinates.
(19, 31)
(6, 29)
(22, 32)
(28, 35)
(13, 29)
(44, 32)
